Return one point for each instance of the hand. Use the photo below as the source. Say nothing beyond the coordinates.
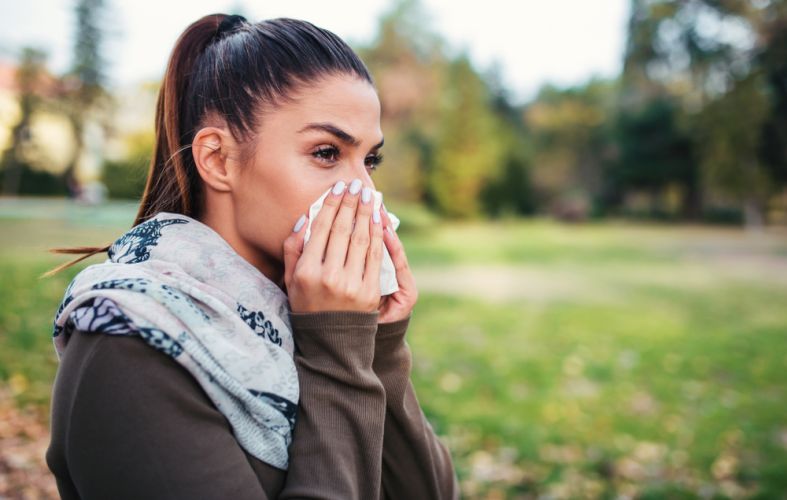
(348, 279)
(399, 304)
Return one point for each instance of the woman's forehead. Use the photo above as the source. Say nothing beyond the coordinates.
(348, 103)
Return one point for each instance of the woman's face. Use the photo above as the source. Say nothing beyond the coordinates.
(329, 132)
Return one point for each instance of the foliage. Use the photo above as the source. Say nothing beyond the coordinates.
(87, 97)
(125, 178)
(570, 132)
(721, 66)
(449, 143)
(469, 151)
(694, 127)
(20, 163)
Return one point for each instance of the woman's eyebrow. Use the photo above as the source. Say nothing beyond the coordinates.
(338, 133)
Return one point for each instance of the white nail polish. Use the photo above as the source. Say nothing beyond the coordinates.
(355, 186)
(299, 224)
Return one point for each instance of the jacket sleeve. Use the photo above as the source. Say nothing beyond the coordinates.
(337, 444)
(416, 464)
(140, 426)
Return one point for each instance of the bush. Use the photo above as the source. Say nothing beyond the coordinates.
(125, 179)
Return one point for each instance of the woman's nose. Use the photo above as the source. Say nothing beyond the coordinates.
(361, 173)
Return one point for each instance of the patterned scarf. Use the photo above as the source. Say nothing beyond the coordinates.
(182, 288)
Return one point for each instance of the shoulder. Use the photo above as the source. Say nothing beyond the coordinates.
(113, 384)
(111, 370)
(138, 421)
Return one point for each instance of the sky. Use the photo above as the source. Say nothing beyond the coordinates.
(563, 42)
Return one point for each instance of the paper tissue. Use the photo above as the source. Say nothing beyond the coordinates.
(388, 283)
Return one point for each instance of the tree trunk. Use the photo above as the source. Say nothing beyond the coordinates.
(753, 214)
(12, 175)
(69, 174)
(691, 204)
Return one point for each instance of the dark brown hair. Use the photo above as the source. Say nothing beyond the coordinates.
(231, 69)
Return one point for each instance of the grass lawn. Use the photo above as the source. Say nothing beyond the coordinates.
(617, 360)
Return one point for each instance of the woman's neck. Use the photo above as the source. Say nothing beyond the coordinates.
(268, 266)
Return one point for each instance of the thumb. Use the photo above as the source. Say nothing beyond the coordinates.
(293, 248)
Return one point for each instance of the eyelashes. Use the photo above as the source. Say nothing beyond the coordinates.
(374, 160)
(327, 153)
(330, 154)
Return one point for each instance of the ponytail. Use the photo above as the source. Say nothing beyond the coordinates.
(225, 65)
(167, 187)
(171, 185)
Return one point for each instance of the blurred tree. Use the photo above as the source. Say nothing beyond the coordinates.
(569, 129)
(655, 154)
(31, 66)
(510, 192)
(469, 145)
(694, 48)
(407, 62)
(125, 178)
(445, 141)
(729, 138)
(773, 61)
(86, 79)
(722, 63)
(17, 164)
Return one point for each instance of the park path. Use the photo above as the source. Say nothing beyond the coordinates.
(500, 283)
(610, 282)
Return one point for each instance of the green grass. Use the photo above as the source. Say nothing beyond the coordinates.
(662, 375)
(580, 387)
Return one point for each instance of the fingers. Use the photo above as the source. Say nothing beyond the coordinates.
(386, 220)
(371, 277)
(342, 228)
(321, 225)
(361, 237)
(293, 247)
(396, 251)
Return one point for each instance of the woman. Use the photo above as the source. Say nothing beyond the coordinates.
(277, 369)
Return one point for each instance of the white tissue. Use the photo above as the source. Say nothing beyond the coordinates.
(388, 283)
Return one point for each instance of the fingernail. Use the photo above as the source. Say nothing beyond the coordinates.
(299, 224)
(338, 188)
(376, 216)
(355, 186)
(366, 195)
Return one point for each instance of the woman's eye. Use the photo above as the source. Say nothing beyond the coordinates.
(374, 160)
(328, 153)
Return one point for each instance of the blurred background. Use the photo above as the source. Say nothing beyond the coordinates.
(592, 194)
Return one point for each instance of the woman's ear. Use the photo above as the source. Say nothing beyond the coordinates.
(210, 148)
